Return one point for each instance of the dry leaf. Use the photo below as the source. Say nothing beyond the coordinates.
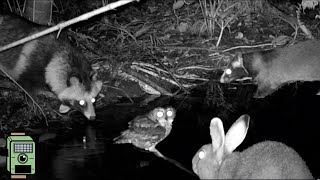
(178, 4)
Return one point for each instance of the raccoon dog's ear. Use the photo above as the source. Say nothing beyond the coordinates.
(94, 75)
(239, 58)
(238, 61)
(99, 85)
(74, 81)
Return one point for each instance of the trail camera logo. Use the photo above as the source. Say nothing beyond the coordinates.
(21, 155)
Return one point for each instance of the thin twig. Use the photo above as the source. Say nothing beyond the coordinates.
(126, 31)
(171, 74)
(253, 46)
(186, 47)
(123, 92)
(9, 5)
(67, 23)
(221, 32)
(157, 153)
(27, 95)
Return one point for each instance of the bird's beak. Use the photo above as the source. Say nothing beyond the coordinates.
(163, 122)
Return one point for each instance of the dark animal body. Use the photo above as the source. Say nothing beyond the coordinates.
(273, 68)
(48, 62)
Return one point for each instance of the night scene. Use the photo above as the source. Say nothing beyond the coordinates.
(159, 89)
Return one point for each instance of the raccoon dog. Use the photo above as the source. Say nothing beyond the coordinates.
(48, 62)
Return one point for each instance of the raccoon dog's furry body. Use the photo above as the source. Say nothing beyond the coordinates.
(273, 68)
(48, 62)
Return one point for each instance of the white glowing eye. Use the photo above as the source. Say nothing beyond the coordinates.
(93, 100)
(160, 114)
(169, 113)
(82, 102)
(202, 154)
(228, 71)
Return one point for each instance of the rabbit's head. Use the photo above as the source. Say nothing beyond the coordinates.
(206, 162)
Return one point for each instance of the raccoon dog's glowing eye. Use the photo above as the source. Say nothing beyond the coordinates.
(228, 71)
(93, 100)
(202, 154)
(160, 114)
(82, 102)
(169, 113)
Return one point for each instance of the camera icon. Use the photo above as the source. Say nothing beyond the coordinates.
(21, 155)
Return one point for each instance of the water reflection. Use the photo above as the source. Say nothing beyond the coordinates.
(87, 150)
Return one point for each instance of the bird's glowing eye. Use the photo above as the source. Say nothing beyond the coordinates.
(93, 100)
(202, 154)
(160, 114)
(169, 113)
(82, 103)
(228, 71)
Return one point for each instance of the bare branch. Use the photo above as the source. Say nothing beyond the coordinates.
(67, 23)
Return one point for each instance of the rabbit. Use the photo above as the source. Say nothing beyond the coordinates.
(264, 160)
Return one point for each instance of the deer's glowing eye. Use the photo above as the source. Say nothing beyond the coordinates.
(82, 103)
(93, 100)
(228, 71)
(160, 114)
(169, 113)
(202, 154)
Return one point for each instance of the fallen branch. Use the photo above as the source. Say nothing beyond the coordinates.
(171, 74)
(60, 26)
(185, 76)
(147, 81)
(240, 47)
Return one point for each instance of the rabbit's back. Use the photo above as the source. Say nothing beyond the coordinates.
(265, 160)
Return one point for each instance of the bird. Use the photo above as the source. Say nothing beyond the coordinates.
(146, 131)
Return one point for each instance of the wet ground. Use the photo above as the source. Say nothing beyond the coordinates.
(291, 116)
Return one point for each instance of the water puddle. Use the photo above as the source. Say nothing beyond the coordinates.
(87, 151)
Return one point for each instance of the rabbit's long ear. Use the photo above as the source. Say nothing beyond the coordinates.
(217, 137)
(237, 133)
